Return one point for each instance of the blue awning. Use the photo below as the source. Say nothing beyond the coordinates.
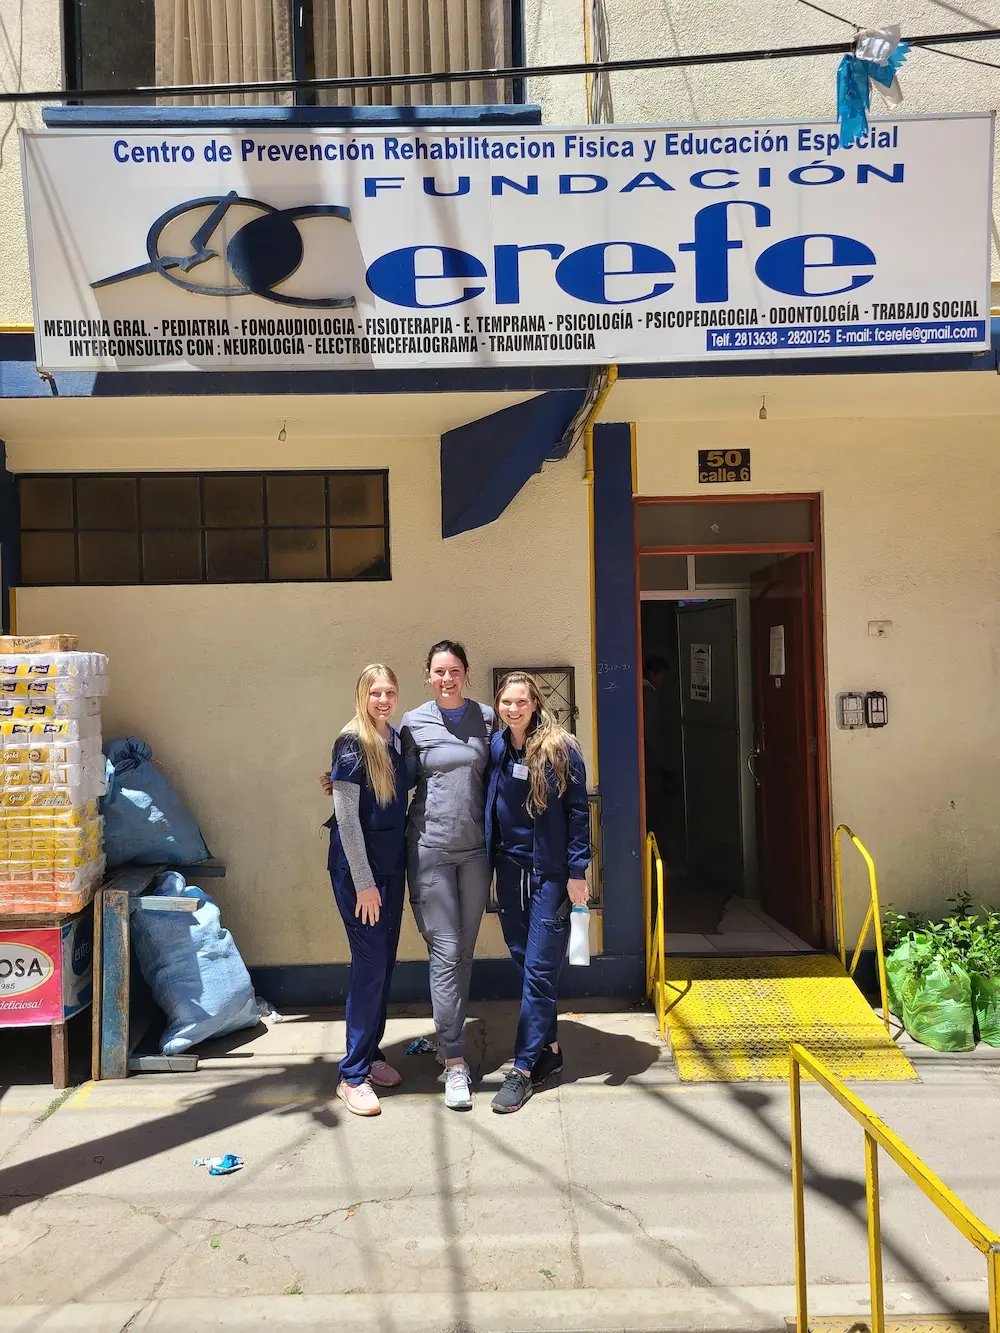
(486, 462)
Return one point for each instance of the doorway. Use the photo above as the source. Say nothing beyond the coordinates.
(733, 731)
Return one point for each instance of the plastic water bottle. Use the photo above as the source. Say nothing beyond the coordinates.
(579, 937)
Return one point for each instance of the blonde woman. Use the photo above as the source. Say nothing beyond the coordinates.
(367, 866)
(538, 835)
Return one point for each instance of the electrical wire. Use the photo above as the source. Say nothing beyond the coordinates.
(597, 382)
(966, 60)
(952, 55)
(505, 74)
(600, 105)
(829, 13)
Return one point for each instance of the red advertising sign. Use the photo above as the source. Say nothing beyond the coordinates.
(45, 975)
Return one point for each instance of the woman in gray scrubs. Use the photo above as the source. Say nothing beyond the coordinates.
(447, 745)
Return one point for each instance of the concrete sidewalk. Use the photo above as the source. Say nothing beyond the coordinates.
(610, 1310)
(619, 1199)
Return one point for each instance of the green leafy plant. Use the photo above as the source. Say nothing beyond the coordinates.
(964, 939)
(944, 975)
(984, 949)
(897, 926)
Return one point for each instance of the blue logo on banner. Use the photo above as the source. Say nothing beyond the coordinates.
(261, 254)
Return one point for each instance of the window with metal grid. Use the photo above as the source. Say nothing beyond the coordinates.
(221, 527)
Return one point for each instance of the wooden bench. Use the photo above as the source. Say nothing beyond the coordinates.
(120, 1016)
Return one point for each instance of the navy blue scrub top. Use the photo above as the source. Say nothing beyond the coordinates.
(516, 827)
(384, 827)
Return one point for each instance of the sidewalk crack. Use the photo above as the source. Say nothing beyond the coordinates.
(39, 1120)
(579, 1279)
(694, 1272)
(131, 1319)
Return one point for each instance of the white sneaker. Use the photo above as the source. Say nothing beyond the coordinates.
(458, 1088)
(359, 1098)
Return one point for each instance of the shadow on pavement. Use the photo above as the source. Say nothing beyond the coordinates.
(846, 1192)
(309, 1088)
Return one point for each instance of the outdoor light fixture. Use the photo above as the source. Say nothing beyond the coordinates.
(283, 433)
(762, 414)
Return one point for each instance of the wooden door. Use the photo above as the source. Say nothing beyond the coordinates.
(710, 721)
(785, 745)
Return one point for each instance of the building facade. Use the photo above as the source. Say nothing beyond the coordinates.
(857, 555)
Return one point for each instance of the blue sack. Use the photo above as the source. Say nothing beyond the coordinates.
(145, 821)
(193, 968)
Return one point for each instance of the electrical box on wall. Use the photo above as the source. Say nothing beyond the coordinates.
(876, 709)
(850, 710)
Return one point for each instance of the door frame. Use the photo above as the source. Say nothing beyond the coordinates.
(814, 547)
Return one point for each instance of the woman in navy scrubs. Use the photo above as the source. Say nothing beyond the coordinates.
(367, 865)
(538, 834)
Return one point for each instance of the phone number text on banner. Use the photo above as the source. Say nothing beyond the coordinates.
(331, 248)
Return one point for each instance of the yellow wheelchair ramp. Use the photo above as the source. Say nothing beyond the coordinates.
(731, 1020)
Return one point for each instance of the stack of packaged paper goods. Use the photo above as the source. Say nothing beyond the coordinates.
(51, 775)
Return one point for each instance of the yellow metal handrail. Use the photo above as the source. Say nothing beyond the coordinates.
(873, 917)
(656, 971)
(877, 1135)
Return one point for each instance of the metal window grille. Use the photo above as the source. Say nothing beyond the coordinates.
(221, 527)
(558, 687)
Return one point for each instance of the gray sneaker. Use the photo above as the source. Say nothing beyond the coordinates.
(458, 1088)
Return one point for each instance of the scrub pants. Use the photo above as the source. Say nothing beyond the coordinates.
(373, 956)
(448, 894)
(536, 936)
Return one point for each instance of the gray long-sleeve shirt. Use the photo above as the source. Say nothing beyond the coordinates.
(449, 805)
(346, 805)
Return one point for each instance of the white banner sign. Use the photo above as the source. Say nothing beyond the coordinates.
(337, 249)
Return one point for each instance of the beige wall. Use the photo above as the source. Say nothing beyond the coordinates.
(240, 690)
(30, 57)
(765, 91)
(553, 34)
(910, 535)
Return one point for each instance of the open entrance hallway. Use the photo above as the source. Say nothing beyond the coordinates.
(730, 731)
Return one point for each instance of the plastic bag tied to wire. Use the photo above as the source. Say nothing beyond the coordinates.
(878, 54)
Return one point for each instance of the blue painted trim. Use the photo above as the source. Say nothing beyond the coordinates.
(485, 463)
(10, 539)
(17, 347)
(283, 117)
(617, 687)
(912, 363)
(115, 983)
(19, 379)
(316, 985)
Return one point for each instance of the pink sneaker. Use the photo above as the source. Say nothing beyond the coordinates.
(384, 1076)
(359, 1098)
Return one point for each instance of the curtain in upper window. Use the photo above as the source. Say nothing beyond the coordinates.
(224, 41)
(411, 37)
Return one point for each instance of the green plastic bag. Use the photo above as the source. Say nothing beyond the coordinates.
(899, 965)
(986, 1007)
(937, 1006)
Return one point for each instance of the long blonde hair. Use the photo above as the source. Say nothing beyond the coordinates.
(374, 751)
(548, 745)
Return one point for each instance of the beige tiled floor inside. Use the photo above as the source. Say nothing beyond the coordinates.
(744, 929)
